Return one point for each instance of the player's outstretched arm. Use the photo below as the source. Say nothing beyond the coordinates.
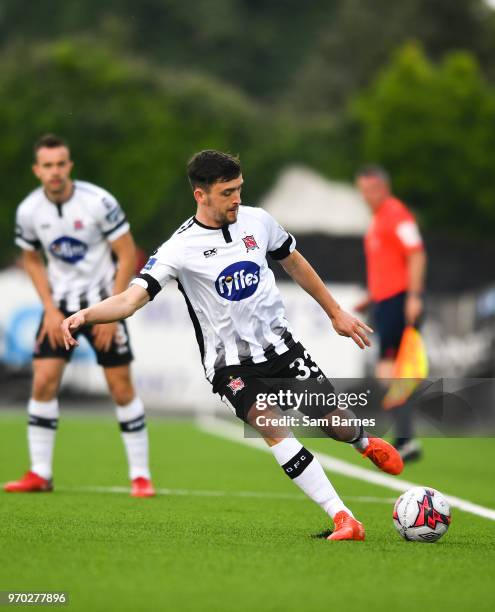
(345, 324)
(114, 308)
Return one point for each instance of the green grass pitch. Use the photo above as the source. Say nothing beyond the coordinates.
(233, 533)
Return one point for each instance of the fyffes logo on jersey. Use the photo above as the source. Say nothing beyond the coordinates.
(238, 281)
(68, 249)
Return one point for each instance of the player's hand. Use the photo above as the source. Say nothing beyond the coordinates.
(103, 335)
(413, 308)
(50, 328)
(71, 324)
(363, 305)
(347, 325)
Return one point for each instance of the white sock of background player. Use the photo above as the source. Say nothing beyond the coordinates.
(132, 422)
(42, 427)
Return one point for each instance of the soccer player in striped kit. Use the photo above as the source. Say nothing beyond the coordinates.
(90, 253)
(219, 259)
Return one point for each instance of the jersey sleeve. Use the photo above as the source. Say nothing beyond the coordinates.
(162, 267)
(111, 218)
(280, 243)
(407, 231)
(25, 233)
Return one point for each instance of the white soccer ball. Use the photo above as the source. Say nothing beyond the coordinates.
(421, 514)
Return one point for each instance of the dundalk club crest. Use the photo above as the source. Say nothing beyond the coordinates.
(250, 243)
(236, 384)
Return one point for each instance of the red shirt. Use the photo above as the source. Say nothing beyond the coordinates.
(391, 237)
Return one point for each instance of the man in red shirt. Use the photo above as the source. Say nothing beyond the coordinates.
(396, 263)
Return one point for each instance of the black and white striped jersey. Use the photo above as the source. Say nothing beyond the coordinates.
(75, 237)
(230, 291)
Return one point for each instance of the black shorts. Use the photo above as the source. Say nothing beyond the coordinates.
(390, 322)
(239, 386)
(120, 352)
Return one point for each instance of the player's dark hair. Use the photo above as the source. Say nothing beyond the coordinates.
(374, 170)
(49, 141)
(208, 167)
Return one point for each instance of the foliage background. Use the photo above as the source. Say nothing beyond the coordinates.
(136, 88)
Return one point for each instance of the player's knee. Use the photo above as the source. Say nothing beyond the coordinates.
(267, 422)
(122, 392)
(45, 386)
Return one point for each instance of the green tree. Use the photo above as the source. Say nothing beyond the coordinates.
(252, 44)
(132, 127)
(363, 35)
(433, 126)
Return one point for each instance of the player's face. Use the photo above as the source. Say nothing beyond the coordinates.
(53, 167)
(373, 189)
(221, 203)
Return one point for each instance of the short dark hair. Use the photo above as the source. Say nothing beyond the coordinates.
(208, 167)
(49, 141)
(374, 170)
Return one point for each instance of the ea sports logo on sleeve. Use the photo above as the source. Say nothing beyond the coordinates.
(238, 281)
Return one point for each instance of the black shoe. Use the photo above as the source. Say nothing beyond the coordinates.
(409, 450)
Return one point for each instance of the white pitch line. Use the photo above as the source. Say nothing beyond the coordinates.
(216, 493)
(230, 431)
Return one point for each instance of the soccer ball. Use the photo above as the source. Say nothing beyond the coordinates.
(421, 514)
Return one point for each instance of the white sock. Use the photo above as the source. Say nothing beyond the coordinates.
(362, 444)
(307, 473)
(42, 426)
(135, 436)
